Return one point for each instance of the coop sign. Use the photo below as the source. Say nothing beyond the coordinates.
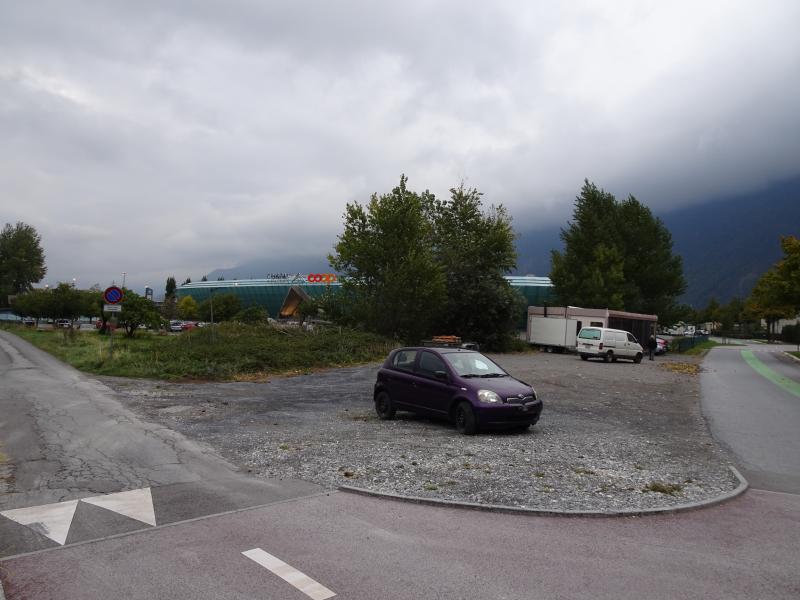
(321, 278)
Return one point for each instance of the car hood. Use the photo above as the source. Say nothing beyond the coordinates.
(503, 386)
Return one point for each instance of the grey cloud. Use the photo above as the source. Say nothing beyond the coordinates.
(207, 134)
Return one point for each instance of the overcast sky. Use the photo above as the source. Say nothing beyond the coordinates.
(164, 137)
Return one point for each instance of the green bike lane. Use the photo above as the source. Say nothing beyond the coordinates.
(751, 398)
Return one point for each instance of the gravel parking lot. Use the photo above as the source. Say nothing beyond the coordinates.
(612, 436)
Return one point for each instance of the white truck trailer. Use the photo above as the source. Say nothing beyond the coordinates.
(555, 328)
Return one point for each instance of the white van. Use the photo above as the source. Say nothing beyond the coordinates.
(608, 344)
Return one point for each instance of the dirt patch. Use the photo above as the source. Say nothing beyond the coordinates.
(612, 436)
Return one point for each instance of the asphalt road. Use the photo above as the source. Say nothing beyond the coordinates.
(367, 549)
(68, 438)
(751, 398)
(112, 476)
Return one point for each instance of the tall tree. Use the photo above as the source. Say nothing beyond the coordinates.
(21, 260)
(392, 282)
(169, 289)
(475, 248)
(776, 294)
(616, 255)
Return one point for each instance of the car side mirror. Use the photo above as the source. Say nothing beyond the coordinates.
(440, 375)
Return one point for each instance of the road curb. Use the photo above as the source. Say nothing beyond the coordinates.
(790, 355)
(498, 508)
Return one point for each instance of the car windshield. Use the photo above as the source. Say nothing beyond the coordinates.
(473, 364)
(589, 334)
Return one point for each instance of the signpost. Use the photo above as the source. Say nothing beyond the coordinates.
(112, 296)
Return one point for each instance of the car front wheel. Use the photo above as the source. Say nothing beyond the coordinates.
(638, 358)
(464, 418)
(384, 406)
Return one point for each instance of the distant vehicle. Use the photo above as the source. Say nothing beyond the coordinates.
(662, 346)
(29, 322)
(461, 385)
(186, 325)
(176, 325)
(63, 323)
(701, 332)
(608, 344)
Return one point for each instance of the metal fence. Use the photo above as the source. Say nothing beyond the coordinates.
(684, 343)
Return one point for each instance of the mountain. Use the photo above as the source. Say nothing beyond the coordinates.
(726, 243)
(261, 268)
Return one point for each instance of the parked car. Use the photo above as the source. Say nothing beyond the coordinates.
(63, 323)
(186, 325)
(176, 325)
(608, 344)
(662, 346)
(29, 322)
(461, 385)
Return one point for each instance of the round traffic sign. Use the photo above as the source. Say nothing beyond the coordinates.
(113, 295)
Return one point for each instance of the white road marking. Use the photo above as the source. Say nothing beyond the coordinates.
(136, 504)
(304, 583)
(51, 520)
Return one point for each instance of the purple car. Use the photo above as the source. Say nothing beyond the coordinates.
(463, 386)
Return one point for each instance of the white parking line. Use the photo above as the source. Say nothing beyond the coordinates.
(304, 583)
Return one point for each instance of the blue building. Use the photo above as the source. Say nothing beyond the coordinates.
(282, 294)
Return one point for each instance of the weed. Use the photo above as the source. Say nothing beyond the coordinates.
(539, 474)
(431, 487)
(671, 489)
(236, 352)
(583, 471)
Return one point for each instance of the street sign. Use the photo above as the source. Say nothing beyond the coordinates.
(112, 308)
(113, 295)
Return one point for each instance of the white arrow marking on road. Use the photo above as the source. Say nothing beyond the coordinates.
(136, 504)
(304, 583)
(51, 520)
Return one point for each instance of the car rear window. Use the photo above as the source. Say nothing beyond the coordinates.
(589, 334)
(404, 360)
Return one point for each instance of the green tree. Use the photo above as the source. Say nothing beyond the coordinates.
(253, 315)
(392, 281)
(21, 260)
(225, 306)
(475, 249)
(712, 312)
(33, 303)
(204, 278)
(169, 288)
(616, 255)
(770, 299)
(137, 311)
(788, 269)
(187, 308)
(65, 302)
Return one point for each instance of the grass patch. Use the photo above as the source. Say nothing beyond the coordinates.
(795, 354)
(236, 351)
(670, 489)
(701, 347)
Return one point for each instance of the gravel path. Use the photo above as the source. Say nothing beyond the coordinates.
(612, 436)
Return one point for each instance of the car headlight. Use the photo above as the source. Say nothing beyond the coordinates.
(488, 397)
